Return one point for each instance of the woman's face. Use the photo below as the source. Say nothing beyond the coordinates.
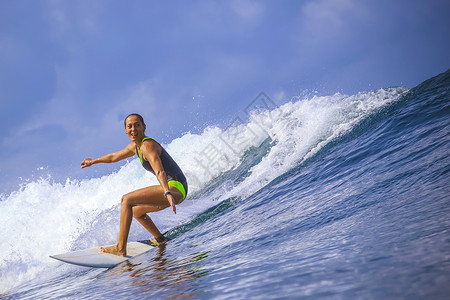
(134, 128)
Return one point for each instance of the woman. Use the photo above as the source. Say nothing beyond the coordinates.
(172, 188)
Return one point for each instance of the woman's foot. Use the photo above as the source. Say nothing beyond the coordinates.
(114, 250)
(159, 241)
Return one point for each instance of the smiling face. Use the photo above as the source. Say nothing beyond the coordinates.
(134, 128)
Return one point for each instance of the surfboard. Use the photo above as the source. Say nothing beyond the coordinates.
(95, 258)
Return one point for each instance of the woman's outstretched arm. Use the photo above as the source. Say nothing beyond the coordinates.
(111, 157)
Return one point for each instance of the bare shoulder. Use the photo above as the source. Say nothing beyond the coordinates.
(151, 146)
(131, 147)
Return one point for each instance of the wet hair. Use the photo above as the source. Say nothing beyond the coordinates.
(134, 114)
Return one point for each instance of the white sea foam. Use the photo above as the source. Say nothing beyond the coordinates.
(45, 217)
(300, 128)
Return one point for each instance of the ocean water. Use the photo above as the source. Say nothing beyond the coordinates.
(335, 197)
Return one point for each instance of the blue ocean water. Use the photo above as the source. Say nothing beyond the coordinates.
(323, 197)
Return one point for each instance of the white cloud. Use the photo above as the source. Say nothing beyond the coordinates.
(330, 19)
(71, 20)
(138, 97)
(248, 10)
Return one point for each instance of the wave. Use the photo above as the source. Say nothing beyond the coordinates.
(46, 217)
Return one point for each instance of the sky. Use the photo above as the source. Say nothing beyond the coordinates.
(70, 71)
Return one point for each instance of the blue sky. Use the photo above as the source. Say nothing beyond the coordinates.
(70, 71)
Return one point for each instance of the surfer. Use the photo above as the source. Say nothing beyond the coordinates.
(171, 191)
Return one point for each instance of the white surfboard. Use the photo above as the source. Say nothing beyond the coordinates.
(94, 258)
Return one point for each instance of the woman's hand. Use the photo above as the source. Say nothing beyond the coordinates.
(172, 203)
(87, 162)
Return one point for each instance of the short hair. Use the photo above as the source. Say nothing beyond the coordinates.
(134, 114)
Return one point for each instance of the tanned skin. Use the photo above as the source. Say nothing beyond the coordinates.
(140, 202)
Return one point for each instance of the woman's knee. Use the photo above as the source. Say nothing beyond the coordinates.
(126, 200)
(138, 213)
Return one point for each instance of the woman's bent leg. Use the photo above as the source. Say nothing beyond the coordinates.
(145, 200)
(140, 213)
